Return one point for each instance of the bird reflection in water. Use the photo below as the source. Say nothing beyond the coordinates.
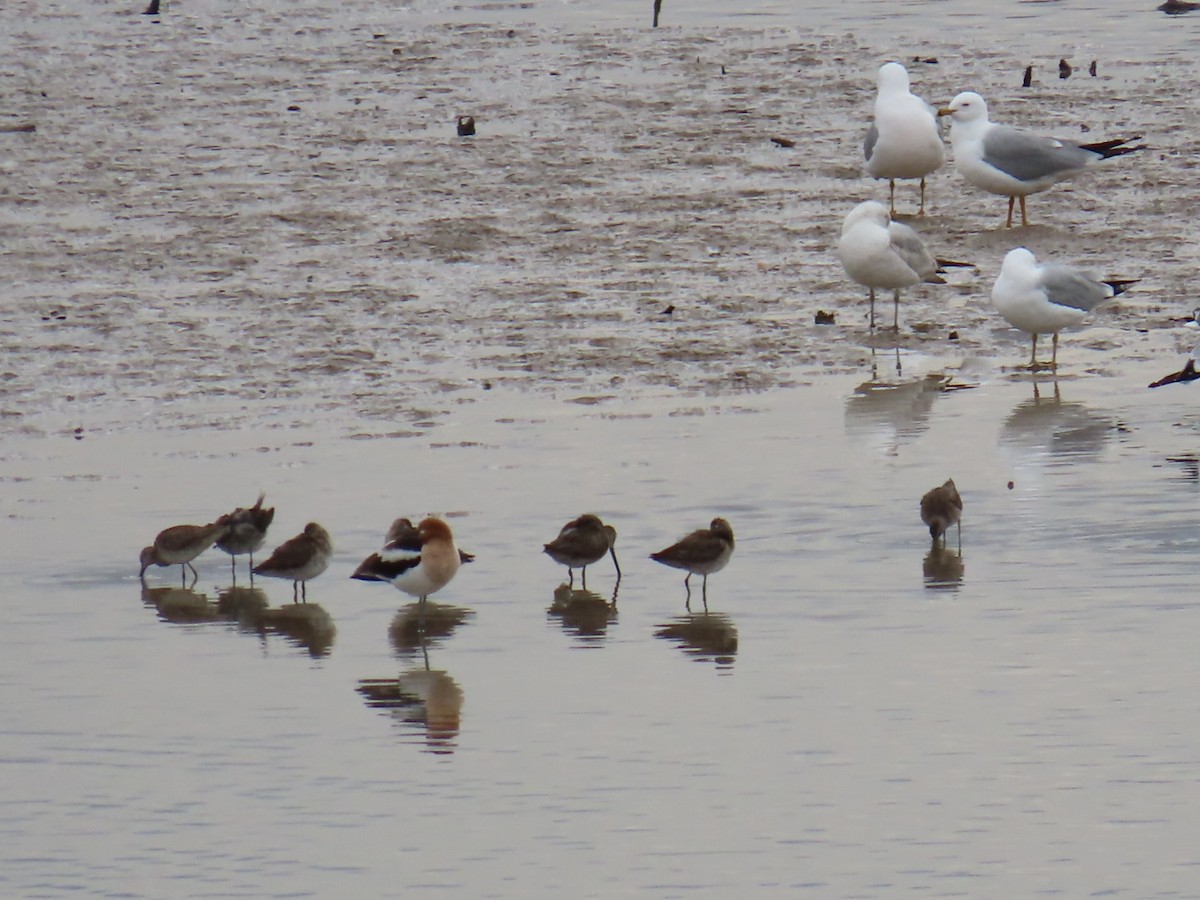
(584, 613)
(307, 625)
(421, 696)
(896, 409)
(1048, 424)
(244, 605)
(180, 605)
(943, 568)
(706, 636)
(408, 634)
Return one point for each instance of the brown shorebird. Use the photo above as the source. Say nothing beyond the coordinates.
(582, 542)
(418, 563)
(299, 559)
(700, 553)
(247, 531)
(941, 508)
(179, 545)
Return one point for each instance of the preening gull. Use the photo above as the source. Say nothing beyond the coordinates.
(879, 253)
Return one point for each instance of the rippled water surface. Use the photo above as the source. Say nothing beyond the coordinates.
(247, 252)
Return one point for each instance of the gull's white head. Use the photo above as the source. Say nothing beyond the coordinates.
(868, 211)
(893, 79)
(966, 107)
(1019, 261)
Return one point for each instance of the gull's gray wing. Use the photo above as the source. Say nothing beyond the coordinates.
(906, 244)
(869, 141)
(1029, 157)
(1066, 287)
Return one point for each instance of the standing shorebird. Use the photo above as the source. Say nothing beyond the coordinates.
(247, 531)
(418, 563)
(700, 553)
(1045, 299)
(582, 542)
(904, 141)
(942, 507)
(299, 559)
(179, 545)
(1013, 163)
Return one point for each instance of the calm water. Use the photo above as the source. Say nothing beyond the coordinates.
(852, 717)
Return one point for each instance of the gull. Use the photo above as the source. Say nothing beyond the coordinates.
(700, 553)
(582, 542)
(1013, 163)
(904, 141)
(879, 253)
(299, 559)
(942, 507)
(1044, 299)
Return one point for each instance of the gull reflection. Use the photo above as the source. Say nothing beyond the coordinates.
(1046, 423)
(307, 625)
(943, 568)
(894, 410)
(703, 636)
(584, 613)
(407, 633)
(421, 696)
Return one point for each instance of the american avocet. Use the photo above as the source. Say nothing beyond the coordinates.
(942, 507)
(299, 559)
(582, 542)
(879, 253)
(700, 553)
(179, 545)
(417, 564)
(1013, 163)
(904, 141)
(247, 531)
(1044, 299)
(1189, 371)
(402, 532)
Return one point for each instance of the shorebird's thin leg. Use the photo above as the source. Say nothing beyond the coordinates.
(687, 603)
(704, 592)
(1024, 218)
(583, 577)
(613, 554)
(896, 311)
(295, 596)
(921, 209)
(304, 591)
(1033, 353)
(892, 196)
(1011, 201)
(1054, 353)
(960, 537)
(872, 290)
(570, 577)
(421, 614)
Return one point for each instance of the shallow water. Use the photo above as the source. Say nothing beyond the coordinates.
(348, 307)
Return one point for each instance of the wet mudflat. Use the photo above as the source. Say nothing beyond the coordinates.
(349, 307)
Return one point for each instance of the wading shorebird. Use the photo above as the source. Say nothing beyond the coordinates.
(904, 142)
(418, 563)
(700, 553)
(1013, 163)
(1044, 299)
(582, 542)
(942, 507)
(299, 559)
(179, 545)
(247, 531)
